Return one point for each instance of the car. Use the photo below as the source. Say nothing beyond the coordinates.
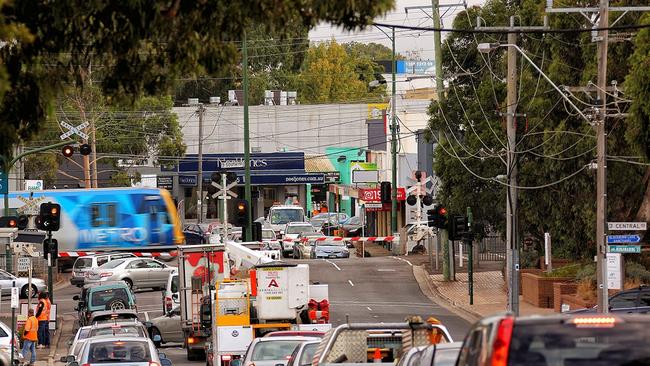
(114, 295)
(121, 328)
(635, 300)
(137, 273)
(170, 294)
(196, 233)
(167, 327)
(7, 281)
(120, 350)
(329, 248)
(302, 246)
(273, 351)
(89, 262)
(293, 333)
(112, 316)
(566, 339)
(441, 354)
(353, 227)
(303, 354)
(5, 345)
(330, 218)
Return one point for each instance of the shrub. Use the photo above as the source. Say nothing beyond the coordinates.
(637, 271)
(587, 272)
(529, 259)
(586, 290)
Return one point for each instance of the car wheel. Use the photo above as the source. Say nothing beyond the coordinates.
(154, 332)
(129, 283)
(24, 292)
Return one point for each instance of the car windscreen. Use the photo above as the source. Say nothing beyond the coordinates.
(299, 229)
(354, 221)
(81, 263)
(119, 330)
(337, 243)
(607, 343)
(174, 288)
(103, 297)
(274, 350)
(308, 354)
(285, 216)
(84, 333)
(112, 264)
(118, 351)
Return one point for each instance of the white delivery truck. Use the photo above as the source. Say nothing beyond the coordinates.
(280, 215)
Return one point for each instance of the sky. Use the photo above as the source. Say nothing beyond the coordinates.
(408, 43)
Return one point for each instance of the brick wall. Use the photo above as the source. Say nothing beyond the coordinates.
(538, 290)
(560, 289)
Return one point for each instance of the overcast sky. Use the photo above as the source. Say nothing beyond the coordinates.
(406, 41)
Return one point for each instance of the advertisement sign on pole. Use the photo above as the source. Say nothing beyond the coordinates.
(614, 278)
(33, 185)
(14, 298)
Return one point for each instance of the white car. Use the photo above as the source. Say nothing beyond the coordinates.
(5, 345)
(291, 232)
(120, 351)
(123, 328)
(170, 295)
(273, 351)
(7, 280)
(136, 272)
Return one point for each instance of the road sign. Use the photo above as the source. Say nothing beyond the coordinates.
(219, 193)
(31, 205)
(623, 249)
(614, 281)
(4, 183)
(72, 130)
(619, 239)
(623, 226)
(24, 263)
(15, 303)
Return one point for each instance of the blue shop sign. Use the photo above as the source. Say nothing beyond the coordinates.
(187, 180)
(271, 179)
(235, 162)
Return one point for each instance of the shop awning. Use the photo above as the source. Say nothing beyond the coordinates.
(318, 164)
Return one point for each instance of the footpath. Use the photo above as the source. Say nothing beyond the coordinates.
(489, 293)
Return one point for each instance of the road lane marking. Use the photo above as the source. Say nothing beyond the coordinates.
(368, 307)
(332, 263)
(385, 270)
(351, 284)
(403, 260)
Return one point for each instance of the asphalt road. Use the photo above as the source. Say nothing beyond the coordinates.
(380, 289)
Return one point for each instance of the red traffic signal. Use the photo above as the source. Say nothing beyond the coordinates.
(67, 151)
(9, 221)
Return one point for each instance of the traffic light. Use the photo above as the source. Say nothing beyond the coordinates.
(51, 246)
(241, 217)
(437, 217)
(67, 151)
(84, 149)
(23, 221)
(457, 227)
(385, 192)
(50, 217)
(257, 231)
(8, 221)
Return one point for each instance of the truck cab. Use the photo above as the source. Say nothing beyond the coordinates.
(280, 215)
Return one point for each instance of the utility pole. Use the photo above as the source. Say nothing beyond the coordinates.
(602, 39)
(247, 148)
(93, 147)
(393, 147)
(199, 179)
(601, 151)
(512, 227)
(443, 235)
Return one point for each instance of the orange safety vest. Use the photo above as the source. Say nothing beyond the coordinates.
(45, 313)
(31, 329)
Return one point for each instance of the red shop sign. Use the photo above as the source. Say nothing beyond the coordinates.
(374, 194)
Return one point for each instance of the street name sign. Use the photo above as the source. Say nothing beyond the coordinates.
(620, 239)
(622, 226)
(624, 249)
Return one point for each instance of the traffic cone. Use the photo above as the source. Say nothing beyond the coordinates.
(377, 356)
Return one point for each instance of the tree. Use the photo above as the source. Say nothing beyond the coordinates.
(141, 46)
(330, 74)
(554, 144)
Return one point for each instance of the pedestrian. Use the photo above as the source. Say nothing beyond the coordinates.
(43, 317)
(30, 337)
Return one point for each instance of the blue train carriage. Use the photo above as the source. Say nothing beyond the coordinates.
(133, 219)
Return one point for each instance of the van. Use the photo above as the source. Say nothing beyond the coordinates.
(112, 296)
(170, 295)
(85, 263)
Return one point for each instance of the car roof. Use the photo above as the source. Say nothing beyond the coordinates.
(106, 284)
(121, 322)
(104, 254)
(298, 223)
(291, 333)
(115, 339)
(287, 338)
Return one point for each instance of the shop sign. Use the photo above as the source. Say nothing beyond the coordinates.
(187, 180)
(235, 162)
(332, 177)
(284, 179)
(374, 194)
(166, 182)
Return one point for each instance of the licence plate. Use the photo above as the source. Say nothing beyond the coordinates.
(332, 256)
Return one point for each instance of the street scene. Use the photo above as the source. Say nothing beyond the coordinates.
(281, 183)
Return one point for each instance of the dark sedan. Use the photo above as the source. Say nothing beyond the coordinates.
(636, 300)
(353, 227)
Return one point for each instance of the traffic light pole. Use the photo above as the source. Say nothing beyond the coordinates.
(6, 169)
(470, 256)
(393, 148)
(50, 262)
(247, 150)
(224, 197)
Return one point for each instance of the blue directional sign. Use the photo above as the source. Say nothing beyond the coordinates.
(4, 183)
(617, 239)
(624, 249)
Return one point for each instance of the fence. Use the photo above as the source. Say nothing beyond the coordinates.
(491, 249)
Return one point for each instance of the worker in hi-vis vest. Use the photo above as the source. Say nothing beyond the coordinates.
(43, 317)
(30, 337)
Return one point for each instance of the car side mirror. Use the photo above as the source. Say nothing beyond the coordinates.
(70, 358)
(75, 297)
(162, 355)
(175, 296)
(165, 362)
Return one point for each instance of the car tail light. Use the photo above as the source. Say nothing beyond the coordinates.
(154, 364)
(191, 340)
(85, 364)
(226, 358)
(501, 345)
(168, 303)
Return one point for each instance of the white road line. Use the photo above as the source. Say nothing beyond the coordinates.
(404, 260)
(332, 263)
(351, 284)
(368, 307)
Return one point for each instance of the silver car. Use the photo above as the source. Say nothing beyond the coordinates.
(119, 351)
(273, 351)
(136, 272)
(329, 249)
(168, 327)
(128, 328)
(7, 281)
(303, 354)
(5, 345)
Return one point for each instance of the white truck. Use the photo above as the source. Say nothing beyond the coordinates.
(253, 294)
(280, 215)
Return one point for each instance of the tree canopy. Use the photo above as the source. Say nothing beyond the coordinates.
(554, 144)
(142, 46)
